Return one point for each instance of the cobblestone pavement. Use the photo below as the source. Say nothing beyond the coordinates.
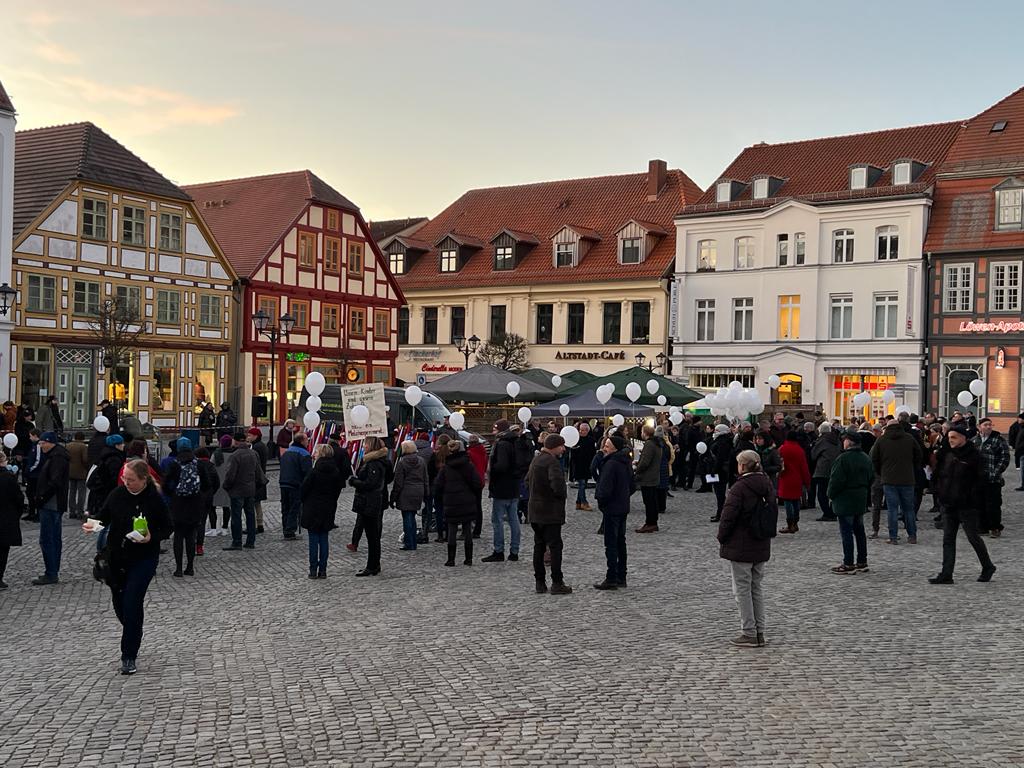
(252, 664)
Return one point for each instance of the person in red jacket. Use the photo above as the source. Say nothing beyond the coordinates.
(793, 479)
(478, 458)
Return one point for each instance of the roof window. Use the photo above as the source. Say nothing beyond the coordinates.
(998, 127)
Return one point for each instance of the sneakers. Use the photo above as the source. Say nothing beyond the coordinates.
(128, 667)
(513, 557)
(844, 569)
(560, 589)
(605, 585)
(212, 532)
(44, 580)
(986, 573)
(497, 557)
(351, 547)
(745, 641)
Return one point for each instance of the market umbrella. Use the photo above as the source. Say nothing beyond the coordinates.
(487, 384)
(586, 405)
(541, 376)
(675, 393)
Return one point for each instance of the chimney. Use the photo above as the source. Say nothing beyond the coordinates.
(657, 175)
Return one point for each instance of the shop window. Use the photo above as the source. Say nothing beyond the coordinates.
(717, 380)
(35, 374)
(382, 375)
(204, 386)
(957, 377)
(164, 366)
(294, 381)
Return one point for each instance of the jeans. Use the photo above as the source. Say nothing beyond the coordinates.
(851, 528)
(650, 497)
(792, 510)
(409, 528)
(615, 547)
(77, 493)
(951, 522)
(547, 537)
(50, 540)
(128, 598)
(821, 487)
(318, 550)
(453, 539)
(581, 492)
(249, 505)
(900, 498)
(992, 507)
(291, 506)
(746, 587)
(502, 510)
(372, 527)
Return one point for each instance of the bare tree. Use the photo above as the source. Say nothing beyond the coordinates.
(506, 351)
(118, 328)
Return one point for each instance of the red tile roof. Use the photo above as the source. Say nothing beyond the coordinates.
(596, 205)
(47, 159)
(248, 216)
(382, 230)
(817, 170)
(5, 100)
(978, 149)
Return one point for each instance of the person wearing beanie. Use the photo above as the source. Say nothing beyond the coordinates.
(614, 487)
(52, 494)
(849, 488)
(255, 439)
(824, 451)
(545, 482)
(106, 476)
(648, 478)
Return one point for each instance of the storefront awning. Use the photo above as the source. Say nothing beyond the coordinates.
(860, 371)
(722, 371)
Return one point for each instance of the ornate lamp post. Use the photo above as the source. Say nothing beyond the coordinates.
(261, 321)
(466, 346)
(7, 296)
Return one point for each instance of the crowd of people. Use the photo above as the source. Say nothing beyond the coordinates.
(438, 483)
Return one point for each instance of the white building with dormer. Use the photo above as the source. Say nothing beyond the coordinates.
(7, 122)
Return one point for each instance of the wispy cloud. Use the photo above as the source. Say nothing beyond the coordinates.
(58, 54)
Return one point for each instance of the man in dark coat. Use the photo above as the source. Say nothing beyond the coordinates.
(255, 439)
(109, 410)
(296, 464)
(580, 458)
(896, 456)
(696, 435)
(545, 481)
(226, 420)
(849, 485)
(720, 462)
(648, 478)
(995, 458)
(242, 476)
(505, 472)
(614, 487)
(103, 480)
(52, 493)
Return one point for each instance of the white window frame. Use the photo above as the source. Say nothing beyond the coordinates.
(782, 250)
(1004, 286)
(843, 237)
(639, 250)
(450, 260)
(858, 178)
(743, 311)
(705, 314)
(504, 258)
(958, 288)
(901, 174)
(744, 260)
(799, 249)
(565, 250)
(170, 231)
(760, 189)
(723, 192)
(1010, 201)
(396, 262)
(889, 236)
(840, 306)
(707, 255)
(888, 306)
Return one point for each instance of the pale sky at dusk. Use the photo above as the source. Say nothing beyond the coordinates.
(402, 106)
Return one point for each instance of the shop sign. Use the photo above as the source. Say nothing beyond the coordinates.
(969, 326)
(602, 355)
(422, 354)
(298, 357)
(440, 368)
(1001, 358)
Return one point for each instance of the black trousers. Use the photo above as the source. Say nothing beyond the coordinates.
(691, 469)
(720, 489)
(547, 537)
(650, 497)
(991, 508)
(479, 519)
(662, 500)
(184, 544)
(951, 522)
(371, 524)
(357, 531)
(5, 551)
(453, 539)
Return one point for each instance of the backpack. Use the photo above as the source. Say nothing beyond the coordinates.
(763, 519)
(188, 480)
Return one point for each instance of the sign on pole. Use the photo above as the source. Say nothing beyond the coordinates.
(372, 396)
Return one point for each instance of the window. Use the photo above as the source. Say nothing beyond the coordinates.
(497, 321)
(574, 323)
(268, 306)
(901, 174)
(449, 261)
(789, 317)
(744, 253)
(886, 313)
(300, 311)
(958, 291)
(565, 254)
(458, 327)
(1009, 204)
(858, 178)
(170, 231)
(168, 307)
(998, 126)
(133, 225)
(888, 243)
(332, 220)
(35, 374)
(129, 301)
(707, 255)
(381, 324)
(164, 366)
(760, 189)
(430, 325)
(332, 254)
(396, 261)
(403, 325)
(641, 322)
(503, 258)
(723, 192)
(841, 325)
(295, 378)
(742, 319)
(630, 250)
(381, 375)
(1006, 287)
(782, 249)
(355, 258)
(611, 325)
(42, 294)
(87, 298)
(329, 319)
(716, 380)
(842, 246)
(209, 310)
(357, 322)
(545, 319)
(204, 384)
(799, 247)
(94, 219)
(307, 249)
(705, 319)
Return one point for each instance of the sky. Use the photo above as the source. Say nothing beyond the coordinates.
(403, 106)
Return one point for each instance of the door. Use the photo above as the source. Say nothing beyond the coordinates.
(74, 394)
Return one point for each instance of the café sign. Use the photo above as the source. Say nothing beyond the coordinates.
(602, 355)
(1003, 326)
(440, 368)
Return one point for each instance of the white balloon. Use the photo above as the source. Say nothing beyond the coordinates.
(734, 385)
(413, 395)
(525, 414)
(563, 409)
(774, 381)
(675, 417)
(861, 400)
(718, 412)
(965, 398)
(618, 420)
(556, 380)
(603, 395)
(674, 408)
(512, 388)
(315, 383)
(610, 387)
(360, 415)
(702, 448)
(757, 410)
(10, 441)
(571, 435)
(653, 386)
(888, 396)
(456, 421)
(902, 409)
(662, 399)
(101, 423)
(977, 387)
(633, 391)
(314, 403)
(312, 420)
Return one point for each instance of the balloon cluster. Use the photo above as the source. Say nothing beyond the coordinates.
(675, 415)
(735, 402)
(315, 384)
(605, 392)
(975, 389)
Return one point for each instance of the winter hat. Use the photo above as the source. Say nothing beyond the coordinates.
(112, 440)
(618, 441)
(959, 427)
(183, 444)
(255, 432)
(50, 437)
(501, 425)
(853, 438)
(722, 429)
(225, 441)
(553, 441)
(808, 426)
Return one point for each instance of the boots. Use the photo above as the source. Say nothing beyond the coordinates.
(790, 528)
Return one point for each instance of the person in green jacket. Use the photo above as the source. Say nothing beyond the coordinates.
(849, 485)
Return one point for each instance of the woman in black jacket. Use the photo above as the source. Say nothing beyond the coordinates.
(459, 485)
(614, 487)
(11, 503)
(133, 562)
(185, 485)
(371, 499)
(319, 492)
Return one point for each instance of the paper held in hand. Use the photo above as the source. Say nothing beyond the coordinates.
(711, 478)
(135, 536)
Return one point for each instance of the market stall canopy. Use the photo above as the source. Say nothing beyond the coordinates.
(487, 384)
(586, 405)
(675, 393)
(543, 377)
(579, 377)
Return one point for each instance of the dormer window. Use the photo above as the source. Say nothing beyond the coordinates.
(564, 254)
(901, 174)
(396, 262)
(1009, 208)
(760, 189)
(504, 258)
(630, 250)
(450, 261)
(858, 178)
(723, 192)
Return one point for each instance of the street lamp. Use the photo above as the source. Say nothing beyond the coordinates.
(7, 296)
(466, 346)
(261, 321)
(640, 357)
(661, 358)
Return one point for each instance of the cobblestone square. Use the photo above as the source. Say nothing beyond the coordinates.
(252, 664)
